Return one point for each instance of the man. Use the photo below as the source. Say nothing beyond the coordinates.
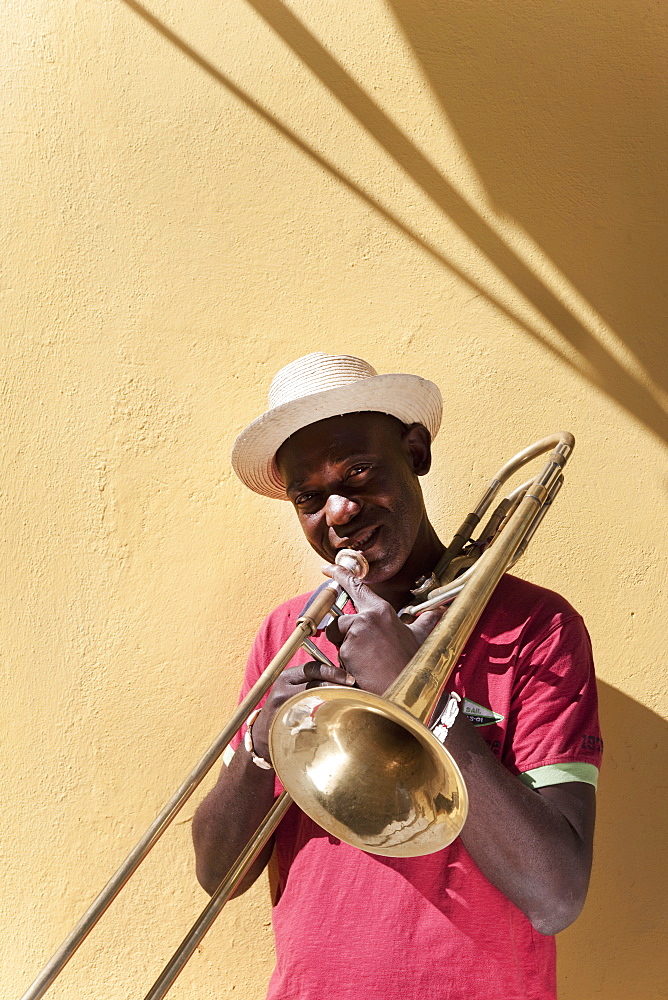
(474, 921)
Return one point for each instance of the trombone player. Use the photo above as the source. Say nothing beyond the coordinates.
(474, 921)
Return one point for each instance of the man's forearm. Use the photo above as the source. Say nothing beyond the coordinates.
(244, 793)
(519, 839)
(227, 818)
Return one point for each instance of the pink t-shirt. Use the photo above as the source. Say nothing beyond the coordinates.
(350, 925)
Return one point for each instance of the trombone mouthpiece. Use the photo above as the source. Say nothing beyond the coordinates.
(354, 561)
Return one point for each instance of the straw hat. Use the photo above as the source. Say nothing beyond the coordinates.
(318, 386)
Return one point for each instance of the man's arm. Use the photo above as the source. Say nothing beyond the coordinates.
(236, 805)
(227, 818)
(535, 846)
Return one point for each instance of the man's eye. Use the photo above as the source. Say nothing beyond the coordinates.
(304, 499)
(357, 470)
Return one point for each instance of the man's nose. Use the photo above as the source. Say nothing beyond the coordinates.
(340, 510)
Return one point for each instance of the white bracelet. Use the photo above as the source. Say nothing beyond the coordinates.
(447, 717)
(248, 742)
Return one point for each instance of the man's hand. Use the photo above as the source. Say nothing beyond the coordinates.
(374, 645)
(292, 681)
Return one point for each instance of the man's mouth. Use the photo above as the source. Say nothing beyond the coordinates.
(365, 540)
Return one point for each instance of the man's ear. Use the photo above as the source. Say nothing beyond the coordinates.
(416, 440)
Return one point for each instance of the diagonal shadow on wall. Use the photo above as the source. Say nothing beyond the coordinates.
(594, 361)
(309, 151)
(597, 363)
(562, 109)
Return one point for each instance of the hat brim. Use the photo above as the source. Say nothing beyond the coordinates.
(409, 398)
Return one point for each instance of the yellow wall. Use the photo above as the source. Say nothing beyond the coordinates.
(196, 195)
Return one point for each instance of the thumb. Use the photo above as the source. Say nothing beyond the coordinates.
(425, 624)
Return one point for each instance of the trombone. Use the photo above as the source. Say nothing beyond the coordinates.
(368, 769)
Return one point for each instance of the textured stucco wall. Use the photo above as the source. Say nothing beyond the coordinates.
(470, 191)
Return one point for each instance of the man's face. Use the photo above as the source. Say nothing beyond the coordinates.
(353, 482)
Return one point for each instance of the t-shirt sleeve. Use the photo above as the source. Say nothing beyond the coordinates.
(553, 731)
(267, 641)
(258, 659)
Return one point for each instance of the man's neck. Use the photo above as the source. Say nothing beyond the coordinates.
(426, 552)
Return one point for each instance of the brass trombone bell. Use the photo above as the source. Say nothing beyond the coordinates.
(368, 772)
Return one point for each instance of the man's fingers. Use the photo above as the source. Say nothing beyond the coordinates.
(425, 624)
(314, 671)
(337, 628)
(362, 596)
